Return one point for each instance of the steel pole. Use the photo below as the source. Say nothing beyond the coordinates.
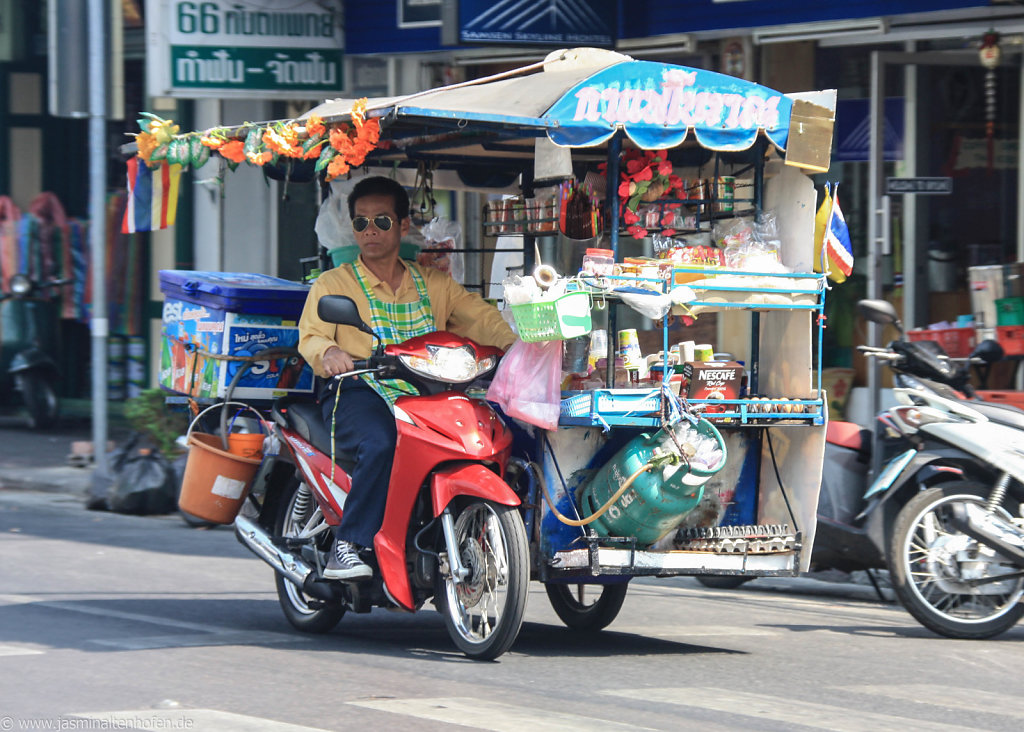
(99, 323)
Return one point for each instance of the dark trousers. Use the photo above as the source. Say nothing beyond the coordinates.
(364, 426)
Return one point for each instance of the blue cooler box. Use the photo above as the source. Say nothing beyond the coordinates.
(235, 314)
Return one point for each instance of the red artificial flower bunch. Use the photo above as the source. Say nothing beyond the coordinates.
(645, 176)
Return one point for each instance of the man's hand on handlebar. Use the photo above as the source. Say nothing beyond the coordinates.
(337, 361)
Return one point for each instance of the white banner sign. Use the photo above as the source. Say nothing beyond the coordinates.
(256, 49)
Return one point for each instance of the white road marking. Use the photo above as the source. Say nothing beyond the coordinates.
(112, 613)
(18, 651)
(954, 697)
(489, 715)
(227, 638)
(203, 634)
(780, 709)
(193, 719)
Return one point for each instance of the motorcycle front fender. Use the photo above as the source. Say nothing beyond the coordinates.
(913, 466)
(473, 480)
(33, 358)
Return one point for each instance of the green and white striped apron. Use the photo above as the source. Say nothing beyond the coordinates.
(394, 323)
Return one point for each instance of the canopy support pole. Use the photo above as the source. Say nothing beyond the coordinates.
(612, 197)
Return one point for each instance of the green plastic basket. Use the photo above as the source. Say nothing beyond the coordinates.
(564, 317)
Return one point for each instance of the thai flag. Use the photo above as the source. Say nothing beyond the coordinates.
(838, 247)
(152, 196)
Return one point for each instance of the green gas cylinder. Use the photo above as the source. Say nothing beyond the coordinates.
(659, 498)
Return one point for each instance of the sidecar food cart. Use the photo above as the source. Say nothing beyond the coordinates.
(745, 149)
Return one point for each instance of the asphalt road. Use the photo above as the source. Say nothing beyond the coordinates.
(111, 621)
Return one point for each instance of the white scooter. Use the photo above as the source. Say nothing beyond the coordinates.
(956, 556)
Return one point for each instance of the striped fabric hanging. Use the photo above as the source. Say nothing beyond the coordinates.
(152, 196)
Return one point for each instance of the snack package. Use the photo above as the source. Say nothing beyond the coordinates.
(440, 238)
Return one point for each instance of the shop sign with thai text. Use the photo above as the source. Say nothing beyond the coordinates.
(256, 49)
(658, 105)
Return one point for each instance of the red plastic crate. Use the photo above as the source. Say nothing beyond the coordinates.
(1006, 398)
(956, 342)
(1011, 338)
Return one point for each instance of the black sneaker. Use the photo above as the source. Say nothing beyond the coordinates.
(345, 564)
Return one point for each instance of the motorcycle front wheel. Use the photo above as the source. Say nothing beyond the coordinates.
(299, 513)
(933, 566)
(586, 608)
(40, 399)
(484, 611)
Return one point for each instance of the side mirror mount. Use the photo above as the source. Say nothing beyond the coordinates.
(879, 311)
(341, 310)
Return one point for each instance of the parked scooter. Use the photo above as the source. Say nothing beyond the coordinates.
(955, 543)
(452, 529)
(28, 338)
(956, 555)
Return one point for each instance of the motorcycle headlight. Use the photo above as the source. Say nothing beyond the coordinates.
(451, 365)
(20, 285)
(915, 416)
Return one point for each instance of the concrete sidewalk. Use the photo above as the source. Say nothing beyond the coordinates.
(41, 460)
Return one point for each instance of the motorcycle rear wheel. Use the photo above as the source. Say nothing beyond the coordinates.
(586, 612)
(928, 557)
(305, 613)
(484, 612)
(40, 399)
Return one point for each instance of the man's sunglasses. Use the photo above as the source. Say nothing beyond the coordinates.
(382, 222)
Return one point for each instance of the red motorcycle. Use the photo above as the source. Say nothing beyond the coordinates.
(452, 529)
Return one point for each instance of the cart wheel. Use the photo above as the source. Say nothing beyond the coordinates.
(586, 607)
(723, 581)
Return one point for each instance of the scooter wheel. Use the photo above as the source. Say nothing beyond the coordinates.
(586, 608)
(40, 399)
(929, 559)
(484, 611)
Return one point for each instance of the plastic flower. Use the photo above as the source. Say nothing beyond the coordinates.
(234, 150)
(315, 126)
(340, 139)
(163, 130)
(336, 167)
(212, 141)
(147, 144)
(284, 140)
(359, 112)
(259, 158)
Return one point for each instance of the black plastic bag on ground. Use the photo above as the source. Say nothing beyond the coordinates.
(141, 482)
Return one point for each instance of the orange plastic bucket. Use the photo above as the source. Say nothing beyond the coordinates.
(216, 481)
(246, 445)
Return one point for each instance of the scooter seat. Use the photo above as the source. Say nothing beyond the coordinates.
(1005, 414)
(306, 418)
(849, 435)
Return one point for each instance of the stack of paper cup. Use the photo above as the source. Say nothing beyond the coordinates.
(703, 352)
(686, 351)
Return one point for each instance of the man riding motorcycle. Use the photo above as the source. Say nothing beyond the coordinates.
(399, 300)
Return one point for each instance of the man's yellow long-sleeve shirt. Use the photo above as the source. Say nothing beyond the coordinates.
(453, 307)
